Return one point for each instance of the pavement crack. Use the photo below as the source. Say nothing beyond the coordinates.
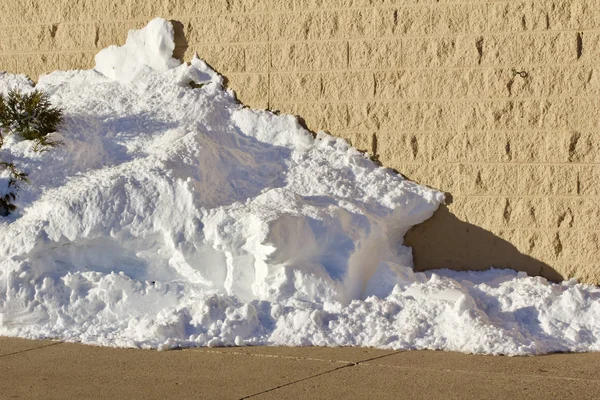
(347, 365)
(28, 350)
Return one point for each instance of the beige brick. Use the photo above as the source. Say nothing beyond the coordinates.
(8, 63)
(347, 24)
(361, 141)
(478, 211)
(369, 117)
(573, 213)
(295, 86)
(375, 54)
(505, 82)
(569, 15)
(34, 65)
(224, 58)
(518, 16)
(402, 147)
(545, 180)
(500, 147)
(587, 247)
(11, 12)
(411, 21)
(295, 26)
(76, 60)
(458, 147)
(465, 83)
(572, 146)
(587, 115)
(574, 80)
(247, 6)
(471, 115)
(251, 89)
(500, 50)
(482, 179)
(459, 18)
(524, 213)
(549, 48)
(257, 58)
(110, 33)
(148, 9)
(343, 86)
(203, 30)
(186, 8)
(590, 43)
(589, 176)
(436, 52)
(244, 28)
(334, 117)
(283, 56)
(321, 55)
(281, 5)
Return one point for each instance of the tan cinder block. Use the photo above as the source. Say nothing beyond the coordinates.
(257, 57)
(8, 63)
(281, 5)
(573, 146)
(248, 6)
(344, 86)
(295, 26)
(202, 30)
(413, 21)
(112, 33)
(375, 54)
(283, 56)
(347, 24)
(589, 45)
(457, 147)
(459, 18)
(499, 50)
(334, 117)
(457, 51)
(225, 58)
(574, 80)
(589, 176)
(521, 213)
(321, 55)
(545, 180)
(570, 15)
(251, 89)
(287, 87)
(549, 48)
(77, 60)
(404, 147)
(577, 213)
(488, 179)
(34, 65)
(244, 28)
(516, 16)
(503, 82)
(587, 116)
(11, 13)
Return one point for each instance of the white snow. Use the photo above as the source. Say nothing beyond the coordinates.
(175, 216)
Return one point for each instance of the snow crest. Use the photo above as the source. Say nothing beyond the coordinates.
(175, 216)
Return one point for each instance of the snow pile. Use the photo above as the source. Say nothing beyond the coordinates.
(174, 216)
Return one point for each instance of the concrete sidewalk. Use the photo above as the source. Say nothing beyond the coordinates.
(53, 370)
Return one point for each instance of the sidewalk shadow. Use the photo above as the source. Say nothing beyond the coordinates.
(444, 241)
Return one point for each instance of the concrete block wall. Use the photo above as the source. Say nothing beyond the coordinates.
(495, 102)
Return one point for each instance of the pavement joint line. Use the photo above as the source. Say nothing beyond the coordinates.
(28, 350)
(238, 353)
(535, 376)
(349, 364)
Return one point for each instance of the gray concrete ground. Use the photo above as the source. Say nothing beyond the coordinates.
(53, 370)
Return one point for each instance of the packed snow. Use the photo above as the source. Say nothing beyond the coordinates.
(175, 216)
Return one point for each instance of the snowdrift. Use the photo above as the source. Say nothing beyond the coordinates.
(175, 216)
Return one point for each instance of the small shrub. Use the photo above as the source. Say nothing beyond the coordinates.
(30, 117)
(16, 177)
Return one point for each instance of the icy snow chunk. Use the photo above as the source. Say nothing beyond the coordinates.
(148, 48)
